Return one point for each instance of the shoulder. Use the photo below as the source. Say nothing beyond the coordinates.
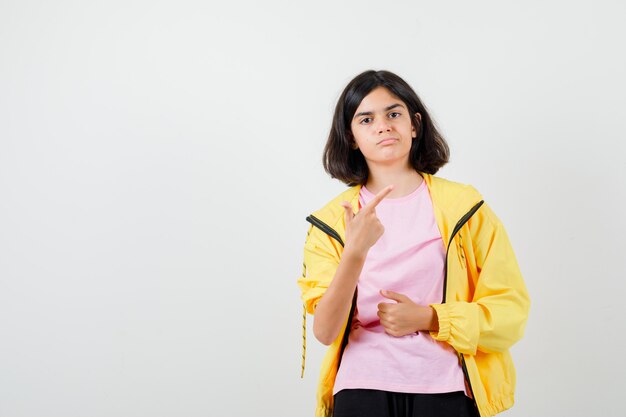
(332, 211)
(457, 198)
(452, 196)
(445, 185)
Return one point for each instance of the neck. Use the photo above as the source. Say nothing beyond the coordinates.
(405, 180)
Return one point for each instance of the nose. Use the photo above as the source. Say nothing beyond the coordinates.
(383, 126)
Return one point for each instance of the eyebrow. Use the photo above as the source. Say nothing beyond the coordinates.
(369, 113)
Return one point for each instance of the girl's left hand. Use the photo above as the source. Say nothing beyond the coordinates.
(405, 317)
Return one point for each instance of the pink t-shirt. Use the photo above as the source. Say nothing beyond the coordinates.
(408, 259)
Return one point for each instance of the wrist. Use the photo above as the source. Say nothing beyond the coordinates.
(354, 254)
(434, 320)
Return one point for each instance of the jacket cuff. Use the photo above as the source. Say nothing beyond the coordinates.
(443, 316)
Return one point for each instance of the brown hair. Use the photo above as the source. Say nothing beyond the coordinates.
(429, 151)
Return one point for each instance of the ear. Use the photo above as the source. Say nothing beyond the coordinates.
(419, 119)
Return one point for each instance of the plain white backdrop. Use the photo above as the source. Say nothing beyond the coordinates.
(158, 160)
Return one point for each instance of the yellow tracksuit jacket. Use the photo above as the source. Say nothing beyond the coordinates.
(484, 304)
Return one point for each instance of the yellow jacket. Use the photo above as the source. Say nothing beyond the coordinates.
(485, 303)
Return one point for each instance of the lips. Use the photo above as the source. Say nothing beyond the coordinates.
(387, 141)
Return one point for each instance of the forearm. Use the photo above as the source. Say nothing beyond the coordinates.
(334, 306)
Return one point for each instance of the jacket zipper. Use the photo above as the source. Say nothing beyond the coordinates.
(324, 228)
(456, 229)
(333, 233)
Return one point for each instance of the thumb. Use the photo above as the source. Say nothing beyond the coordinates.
(349, 214)
(401, 298)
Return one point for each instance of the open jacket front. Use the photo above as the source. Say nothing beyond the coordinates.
(484, 306)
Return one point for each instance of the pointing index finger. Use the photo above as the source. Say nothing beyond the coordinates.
(379, 197)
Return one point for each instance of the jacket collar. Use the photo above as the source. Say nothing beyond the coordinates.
(451, 200)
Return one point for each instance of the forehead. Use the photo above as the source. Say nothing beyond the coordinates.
(378, 99)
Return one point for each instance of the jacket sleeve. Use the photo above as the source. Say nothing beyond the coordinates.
(496, 316)
(321, 259)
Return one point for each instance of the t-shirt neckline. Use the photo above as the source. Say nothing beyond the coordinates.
(367, 193)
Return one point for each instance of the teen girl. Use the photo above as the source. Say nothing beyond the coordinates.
(411, 277)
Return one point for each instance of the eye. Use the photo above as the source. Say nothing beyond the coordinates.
(394, 112)
(364, 119)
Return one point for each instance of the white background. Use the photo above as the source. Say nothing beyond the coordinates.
(158, 160)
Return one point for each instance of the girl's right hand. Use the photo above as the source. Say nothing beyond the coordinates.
(364, 229)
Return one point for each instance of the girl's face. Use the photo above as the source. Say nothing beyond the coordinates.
(382, 128)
